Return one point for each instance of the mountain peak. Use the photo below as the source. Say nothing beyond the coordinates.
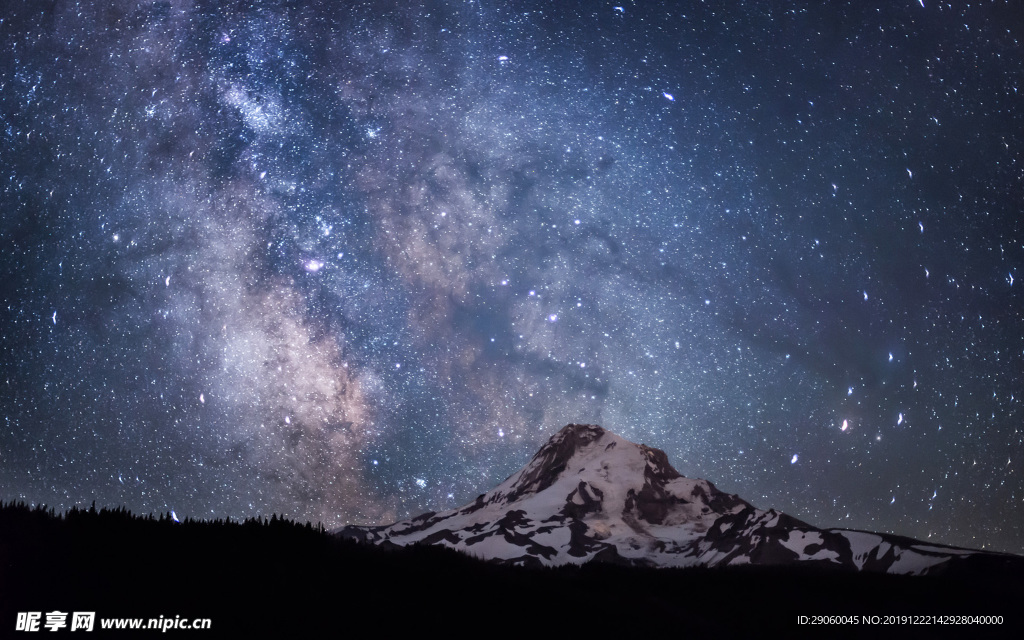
(590, 495)
(551, 460)
(586, 493)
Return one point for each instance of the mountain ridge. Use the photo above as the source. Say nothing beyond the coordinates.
(588, 495)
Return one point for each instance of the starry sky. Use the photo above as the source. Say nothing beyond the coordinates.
(351, 261)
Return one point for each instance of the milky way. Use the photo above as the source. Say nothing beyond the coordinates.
(350, 262)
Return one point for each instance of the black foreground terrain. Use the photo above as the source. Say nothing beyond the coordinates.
(278, 577)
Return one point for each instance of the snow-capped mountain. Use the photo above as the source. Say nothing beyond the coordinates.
(589, 495)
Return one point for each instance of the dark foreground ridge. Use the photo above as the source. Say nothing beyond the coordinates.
(280, 578)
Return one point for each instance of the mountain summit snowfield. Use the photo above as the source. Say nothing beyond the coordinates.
(590, 496)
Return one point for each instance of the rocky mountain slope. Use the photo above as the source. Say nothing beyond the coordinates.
(589, 495)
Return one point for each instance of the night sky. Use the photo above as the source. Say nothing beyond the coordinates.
(349, 262)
